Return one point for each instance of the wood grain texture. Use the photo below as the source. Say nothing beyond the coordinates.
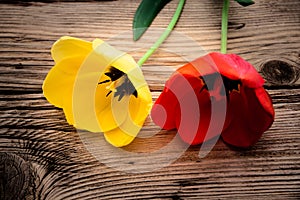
(42, 157)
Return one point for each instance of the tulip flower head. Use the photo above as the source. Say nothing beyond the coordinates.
(216, 79)
(99, 88)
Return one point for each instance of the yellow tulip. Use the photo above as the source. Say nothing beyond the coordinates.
(99, 88)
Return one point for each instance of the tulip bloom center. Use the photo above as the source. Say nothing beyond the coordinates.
(213, 84)
(125, 88)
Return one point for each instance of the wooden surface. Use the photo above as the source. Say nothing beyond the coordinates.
(42, 157)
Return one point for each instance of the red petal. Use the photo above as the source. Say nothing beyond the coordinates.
(162, 112)
(201, 66)
(194, 119)
(230, 65)
(250, 113)
(234, 67)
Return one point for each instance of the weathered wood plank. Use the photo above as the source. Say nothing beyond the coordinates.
(42, 157)
(28, 33)
(37, 133)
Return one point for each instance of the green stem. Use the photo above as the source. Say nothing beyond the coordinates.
(224, 26)
(165, 34)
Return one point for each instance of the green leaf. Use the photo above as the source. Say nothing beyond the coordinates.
(245, 2)
(145, 14)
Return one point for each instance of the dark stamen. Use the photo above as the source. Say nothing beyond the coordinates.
(108, 93)
(126, 88)
(229, 84)
(104, 81)
(114, 74)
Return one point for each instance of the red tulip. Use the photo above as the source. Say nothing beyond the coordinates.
(212, 95)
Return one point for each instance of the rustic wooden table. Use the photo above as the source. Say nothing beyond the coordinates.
(42, 157)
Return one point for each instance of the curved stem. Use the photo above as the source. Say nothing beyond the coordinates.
(224, 28)
(165, 34)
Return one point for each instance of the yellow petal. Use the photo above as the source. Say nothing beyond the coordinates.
(58, 84)
(101, 100)
(107, 53)
(68, 110)
(68, 47)
(96, 42)
(136, 109)
(113, 57)
(119, 138)
(93, 109)
(114, 114)
(140, 107)
(121, 61)
(125, 63)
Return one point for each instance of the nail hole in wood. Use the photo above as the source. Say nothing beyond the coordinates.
(235, 25)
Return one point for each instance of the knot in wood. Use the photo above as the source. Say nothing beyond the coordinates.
(280, 72)
(15, 177)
